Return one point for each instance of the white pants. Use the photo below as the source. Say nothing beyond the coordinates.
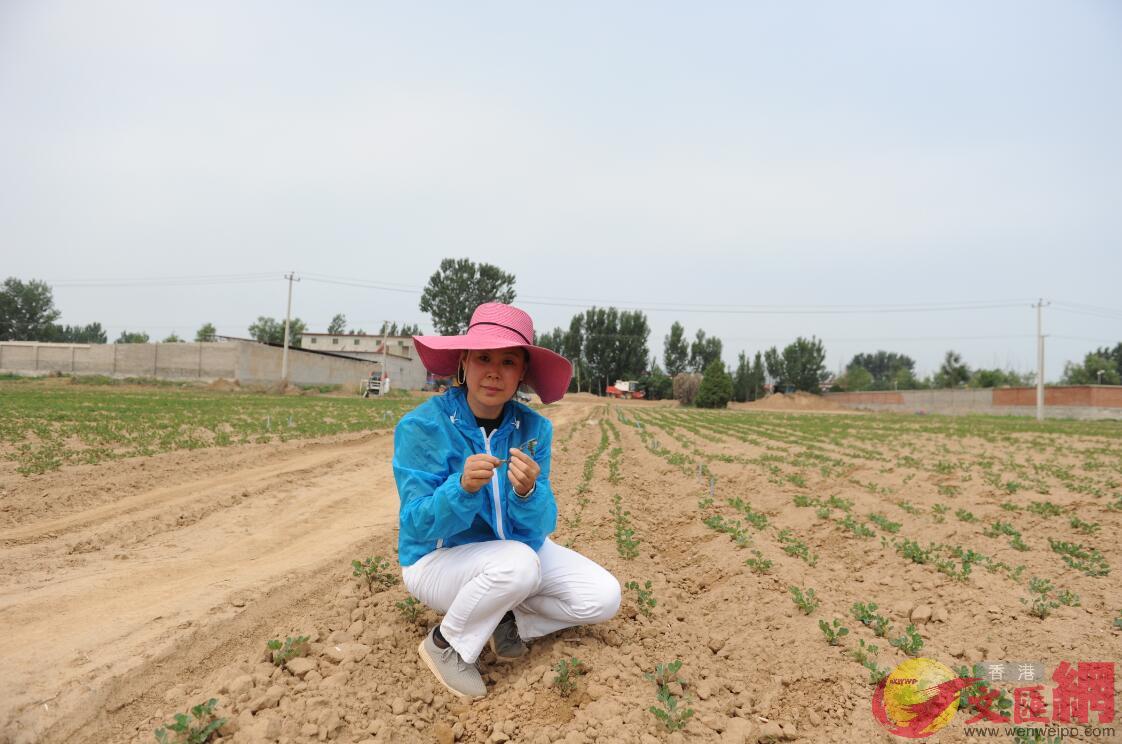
(474, 585)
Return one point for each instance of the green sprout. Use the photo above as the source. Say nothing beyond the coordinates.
(409, 608)
(375, 571)
(910, 643)
(568, 670)
(645, 600)
(670, 714)
(291, 648)
(833, 632)
(807, 602)
(188, 731)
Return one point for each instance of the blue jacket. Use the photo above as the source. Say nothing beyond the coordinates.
(430, 445)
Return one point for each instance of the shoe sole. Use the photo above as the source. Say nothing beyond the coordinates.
(440, 678)
(495, 651)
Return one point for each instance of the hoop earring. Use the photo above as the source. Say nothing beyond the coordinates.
(461, 375)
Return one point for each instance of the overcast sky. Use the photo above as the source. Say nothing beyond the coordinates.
(691, 159)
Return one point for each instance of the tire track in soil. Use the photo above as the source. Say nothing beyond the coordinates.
(79, 626)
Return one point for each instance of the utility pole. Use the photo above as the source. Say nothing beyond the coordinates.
(1040, 360)
(385, 360)
(291, 277)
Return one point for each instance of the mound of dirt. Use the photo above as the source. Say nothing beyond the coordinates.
(797, 401)
(224, 385)
(280, 387)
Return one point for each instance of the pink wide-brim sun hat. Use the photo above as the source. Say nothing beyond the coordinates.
(497, 326)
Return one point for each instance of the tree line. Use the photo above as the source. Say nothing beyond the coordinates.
(604, 343)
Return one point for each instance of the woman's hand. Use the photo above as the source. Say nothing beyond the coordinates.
(522, 472)
(478, 470)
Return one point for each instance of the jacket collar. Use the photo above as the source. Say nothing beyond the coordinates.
(456, 407)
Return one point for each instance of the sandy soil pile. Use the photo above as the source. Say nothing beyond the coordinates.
(136, 589)
(224, 386)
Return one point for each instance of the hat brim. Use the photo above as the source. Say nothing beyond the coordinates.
(548, 373)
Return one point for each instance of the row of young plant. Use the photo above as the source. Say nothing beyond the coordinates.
(1103, 464)
(45, 429)
(957, 563)
(1087, 559)
(673, 710)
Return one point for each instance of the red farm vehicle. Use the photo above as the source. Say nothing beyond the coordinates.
(625, 389)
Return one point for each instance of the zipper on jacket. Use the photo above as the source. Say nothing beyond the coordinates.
(494, 485)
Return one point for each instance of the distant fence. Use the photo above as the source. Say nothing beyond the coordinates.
(246, 362)
(1074, 401)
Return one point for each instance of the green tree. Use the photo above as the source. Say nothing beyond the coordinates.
(338, 325)
(716, 386)
(804, 363)
(656, 384)
(173, 338)
(129, 337)
(631, 345)
(574, 352)
(953, 372)
(458, 287)
(88, 334)
(553, 340)
(885, 368)
(992, 378)
(776, 369)
(601, 329)
(1115, 355)
(704, 350)
(271, 331)
(741, 380)
(1088, 372)
(856, 378)
(206, 333)
(27, 310)
(756, 378)
(676, 350)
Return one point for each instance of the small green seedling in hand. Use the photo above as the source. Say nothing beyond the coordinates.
(1039, 604)
(375, 571)
(671, 716)
(409, 608)
(833, 632)
(910, 643)
(759, 564)
(291, 648)
(644, 598)
(807, 602)
(188, 731)
(567, 672)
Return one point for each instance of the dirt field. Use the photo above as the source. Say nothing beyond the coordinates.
(136, 588)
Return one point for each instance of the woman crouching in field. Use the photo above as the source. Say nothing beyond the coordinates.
(472, 469)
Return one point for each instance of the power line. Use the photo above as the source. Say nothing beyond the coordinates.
(181, 281)
(573, 302)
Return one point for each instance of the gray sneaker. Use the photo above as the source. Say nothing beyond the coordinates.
(451, 670)
(505, 643)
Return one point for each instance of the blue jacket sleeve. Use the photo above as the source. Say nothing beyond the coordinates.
(536, 514)
(433, 504)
